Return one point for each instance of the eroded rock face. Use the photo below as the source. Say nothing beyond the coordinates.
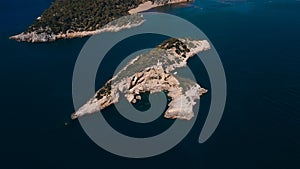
(153, 72)
(35, 37)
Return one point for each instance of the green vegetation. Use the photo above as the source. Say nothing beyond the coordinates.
(125, 20)
(152, 57)
(174, 43)
(144, 61)
(104, 91)
(81, 15)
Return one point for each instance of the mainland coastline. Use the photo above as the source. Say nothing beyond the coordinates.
(133, 18)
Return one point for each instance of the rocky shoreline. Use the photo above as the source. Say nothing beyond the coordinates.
(44, 35)
(149, 5)
(156, 74)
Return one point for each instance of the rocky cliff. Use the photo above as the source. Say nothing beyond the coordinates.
(154, 72)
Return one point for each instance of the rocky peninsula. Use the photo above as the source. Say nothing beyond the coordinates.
(154, 72)
(66, 19)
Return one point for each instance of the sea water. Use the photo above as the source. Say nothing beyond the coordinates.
(258, 42)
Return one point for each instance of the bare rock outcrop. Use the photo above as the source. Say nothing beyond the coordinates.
(154, 72)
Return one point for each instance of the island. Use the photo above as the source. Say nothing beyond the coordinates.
(66, 19)
(154, 71)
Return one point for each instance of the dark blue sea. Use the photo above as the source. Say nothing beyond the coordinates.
(258, 42)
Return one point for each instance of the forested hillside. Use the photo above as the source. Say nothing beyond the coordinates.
(81, 15)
